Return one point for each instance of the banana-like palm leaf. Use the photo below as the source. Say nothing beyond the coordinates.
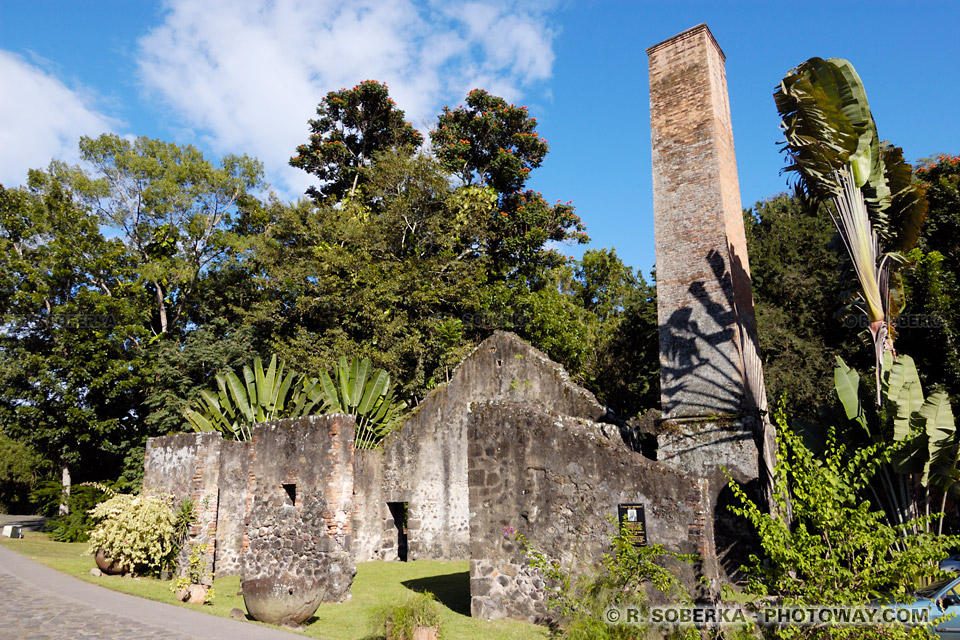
(941, 431)
(846, 382)
(827, 125)
(365, 393)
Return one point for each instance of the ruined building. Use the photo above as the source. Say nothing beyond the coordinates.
(510, 445)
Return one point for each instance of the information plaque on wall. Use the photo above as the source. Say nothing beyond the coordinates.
(633, 523)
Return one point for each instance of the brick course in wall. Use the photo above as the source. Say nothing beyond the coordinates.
(187, 465)
(308, 536)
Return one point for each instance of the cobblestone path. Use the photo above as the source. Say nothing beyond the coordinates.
(28, 612)
(37, 602)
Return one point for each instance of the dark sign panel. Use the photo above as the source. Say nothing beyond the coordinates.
(633, 523)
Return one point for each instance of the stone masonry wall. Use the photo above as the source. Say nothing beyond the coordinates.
(556, 480)
(234, 474)
(187, 465)
(425, 463)
(306, 534)
(374, 536)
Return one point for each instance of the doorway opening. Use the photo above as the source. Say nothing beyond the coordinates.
(398, 510)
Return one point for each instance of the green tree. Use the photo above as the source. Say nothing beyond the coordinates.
(930, 329)
(488, 142)
(794, 268)
(492, 143)
(73, 341)
(20, 470)
(353, 126)
(625, 371)
(173, 207)
(387, 281)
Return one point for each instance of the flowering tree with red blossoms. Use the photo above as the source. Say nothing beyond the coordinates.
(491, 143)
(353, 126)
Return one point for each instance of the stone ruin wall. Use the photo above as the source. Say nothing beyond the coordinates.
(245, 514)
(187, 465)
(306, 534)
(557, 481)
(234, 492)
(510, 441)
(425, 463)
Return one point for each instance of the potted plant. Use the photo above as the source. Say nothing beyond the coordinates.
(134, 534)
(416, 619)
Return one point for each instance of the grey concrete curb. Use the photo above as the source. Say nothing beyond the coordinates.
(101, 601)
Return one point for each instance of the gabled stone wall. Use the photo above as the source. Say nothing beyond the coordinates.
(425, 463)
(558, 481)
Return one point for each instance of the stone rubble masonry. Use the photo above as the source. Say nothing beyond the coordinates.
(187, 465)
(558, 480)
(308, 537)
(425, 463)
(234, 476)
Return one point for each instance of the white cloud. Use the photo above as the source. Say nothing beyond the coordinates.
(247, 76)
(40, 119)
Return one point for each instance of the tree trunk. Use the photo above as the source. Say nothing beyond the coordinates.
(162, 307)
(65, 478)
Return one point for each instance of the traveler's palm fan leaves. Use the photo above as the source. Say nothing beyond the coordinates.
(827, 124)
(260, 396)
(366, 394)
(832, 141)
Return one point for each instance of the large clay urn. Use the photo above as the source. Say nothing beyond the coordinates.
(107, 566)
(283, 598)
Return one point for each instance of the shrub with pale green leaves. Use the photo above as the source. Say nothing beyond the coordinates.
(137, 532)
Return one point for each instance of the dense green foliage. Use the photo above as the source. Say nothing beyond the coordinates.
(798, 302)
(127, 286)
(580, 599)
(353, 126)
(136, 532)
(929, 331)
(72, 348)
(76, 525)
(839, 548)
(21, 469)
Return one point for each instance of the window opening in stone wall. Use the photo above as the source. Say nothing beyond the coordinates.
(291, 489)
(398, 511)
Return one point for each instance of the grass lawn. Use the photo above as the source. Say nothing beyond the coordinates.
(376, 585)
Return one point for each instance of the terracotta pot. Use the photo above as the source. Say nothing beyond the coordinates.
(193, 594)
(426, 633)
(280, 599)
(107, 566)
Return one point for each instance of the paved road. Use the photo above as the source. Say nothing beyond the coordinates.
(38, 602)
(29, 523)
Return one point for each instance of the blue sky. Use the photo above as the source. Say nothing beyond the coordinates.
(244, 77)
